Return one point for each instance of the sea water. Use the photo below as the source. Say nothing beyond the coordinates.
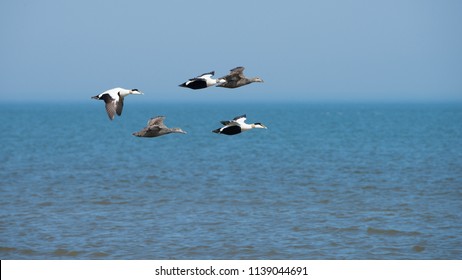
(324, 181)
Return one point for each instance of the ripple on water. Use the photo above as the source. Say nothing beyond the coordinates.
(65, 253)
(99, 255)
(418, 248)
(385, 193)
(391, 232)
(108, 202)
(7, 249)
(18, 253)
(45, 204)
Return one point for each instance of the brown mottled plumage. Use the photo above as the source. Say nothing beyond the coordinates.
(236, 79)
(156, 127)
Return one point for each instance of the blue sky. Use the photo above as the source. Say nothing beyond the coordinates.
(394, 50)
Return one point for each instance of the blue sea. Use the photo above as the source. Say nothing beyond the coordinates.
(324, 181)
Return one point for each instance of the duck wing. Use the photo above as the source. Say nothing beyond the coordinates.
(206, 75)
(110, 104)
(240, 119)
(234, 74)
(237, 71)
(235, 121)
(234, 78)
(119, 105)
(159, 120)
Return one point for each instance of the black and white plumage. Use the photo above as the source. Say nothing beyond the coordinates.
(114, 100)
(236, 79)
(156, 127)
(203, 81)
(236, 126)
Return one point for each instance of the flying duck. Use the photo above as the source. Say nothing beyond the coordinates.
(114, 99)
(236, 79)
(202, 81)
(156, 127)
(237, 125)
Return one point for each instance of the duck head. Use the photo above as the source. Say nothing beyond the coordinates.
(259, 125)
(135, 91)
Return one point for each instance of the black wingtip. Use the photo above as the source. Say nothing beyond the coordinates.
(241, 116)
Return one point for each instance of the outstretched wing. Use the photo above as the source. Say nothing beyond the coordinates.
(233, 79)
(237, 70)
(159, 121)
(119, 105)
(110, 104)
(206, 75)
(235, 121)
(240, 119)
(202, 77)
(234, 74)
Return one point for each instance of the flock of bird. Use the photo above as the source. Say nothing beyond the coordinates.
(114, 102)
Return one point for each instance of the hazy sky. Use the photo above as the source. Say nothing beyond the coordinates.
(304, 50)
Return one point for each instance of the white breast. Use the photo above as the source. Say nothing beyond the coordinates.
(245, 126)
